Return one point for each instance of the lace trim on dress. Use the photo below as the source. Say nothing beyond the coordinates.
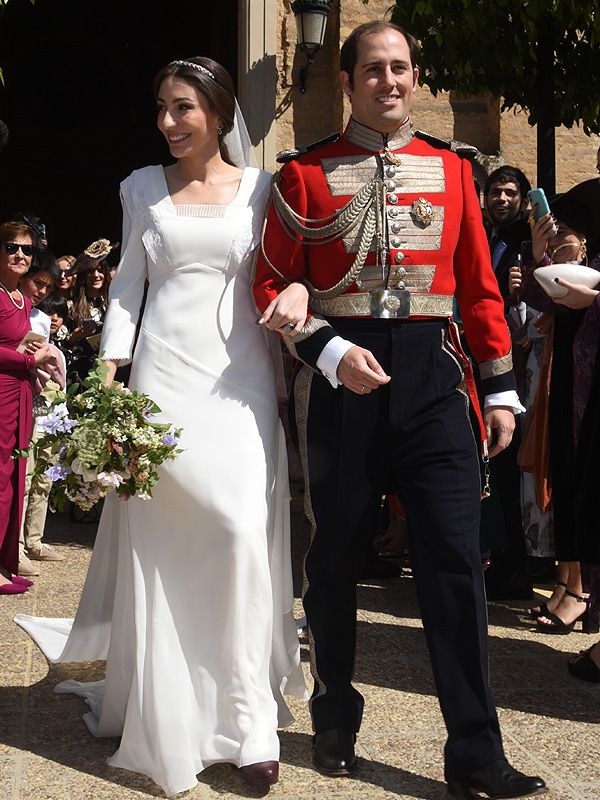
(202, 210)
(248, 236)
(139, 196)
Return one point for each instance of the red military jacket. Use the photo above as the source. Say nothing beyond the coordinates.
(435, 240)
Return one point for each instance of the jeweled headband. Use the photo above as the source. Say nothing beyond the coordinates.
(199, 67)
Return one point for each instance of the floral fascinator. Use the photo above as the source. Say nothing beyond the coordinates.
(92, 256)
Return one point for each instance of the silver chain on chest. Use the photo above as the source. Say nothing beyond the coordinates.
(366, 208)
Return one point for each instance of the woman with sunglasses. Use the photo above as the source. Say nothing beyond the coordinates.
(16, 393)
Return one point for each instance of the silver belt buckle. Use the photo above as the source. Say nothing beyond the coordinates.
(390, 303)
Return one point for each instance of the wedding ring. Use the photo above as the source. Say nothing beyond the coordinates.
(362, 389)
(290, 326)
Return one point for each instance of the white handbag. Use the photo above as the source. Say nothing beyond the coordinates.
(571, 271)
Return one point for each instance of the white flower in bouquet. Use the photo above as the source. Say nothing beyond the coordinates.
(110, 480)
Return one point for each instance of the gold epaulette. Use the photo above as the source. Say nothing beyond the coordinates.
(289, 155)
(460, 148)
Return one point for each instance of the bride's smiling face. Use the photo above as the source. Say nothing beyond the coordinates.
(185, 118)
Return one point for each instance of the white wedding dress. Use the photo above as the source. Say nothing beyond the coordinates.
(189, 595)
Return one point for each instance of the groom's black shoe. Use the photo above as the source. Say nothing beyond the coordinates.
(333, 752)
(498, 780)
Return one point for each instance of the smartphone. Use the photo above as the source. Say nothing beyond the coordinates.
(526, 252)
(538, 198)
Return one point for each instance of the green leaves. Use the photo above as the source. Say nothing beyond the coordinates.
(19, 452)
(473, 47)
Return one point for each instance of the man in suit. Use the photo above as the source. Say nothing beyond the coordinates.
(382, 226)
(506, 202)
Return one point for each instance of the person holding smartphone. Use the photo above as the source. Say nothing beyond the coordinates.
(566, 232)
(501, 530)
(505, 202)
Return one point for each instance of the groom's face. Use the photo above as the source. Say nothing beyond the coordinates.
(382, 87)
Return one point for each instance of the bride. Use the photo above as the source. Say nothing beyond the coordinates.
(189, 595)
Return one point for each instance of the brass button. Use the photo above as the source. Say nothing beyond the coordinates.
(401, 285)
(393, 199)
(400, 272)
(395, 242)
(400, 257)
(390, 171)
(391, 185)
(393, 212)
(396, 227)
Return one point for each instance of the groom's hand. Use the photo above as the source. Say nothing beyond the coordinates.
(360, 371)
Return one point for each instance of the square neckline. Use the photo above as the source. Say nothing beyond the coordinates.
(224, 206)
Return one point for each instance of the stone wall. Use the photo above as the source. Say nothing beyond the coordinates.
(303, 118)
(506, 137)
(575, 152)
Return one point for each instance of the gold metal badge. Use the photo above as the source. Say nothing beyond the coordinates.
(423, 211)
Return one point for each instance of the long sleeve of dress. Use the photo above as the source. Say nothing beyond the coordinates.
(126, 292)
(11, 361)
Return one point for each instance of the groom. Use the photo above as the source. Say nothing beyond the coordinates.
(395, 231)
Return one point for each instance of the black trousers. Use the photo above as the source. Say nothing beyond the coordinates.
(412, 437)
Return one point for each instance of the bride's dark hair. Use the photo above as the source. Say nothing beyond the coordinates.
(211, 80)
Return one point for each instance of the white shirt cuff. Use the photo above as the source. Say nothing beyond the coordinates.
(508, 399)
(330, 357)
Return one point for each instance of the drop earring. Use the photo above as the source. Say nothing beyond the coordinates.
(219, 129)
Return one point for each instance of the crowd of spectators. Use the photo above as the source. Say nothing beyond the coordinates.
(63, 300)
(546, 480)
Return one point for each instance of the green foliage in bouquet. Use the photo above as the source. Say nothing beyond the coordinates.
(101, 439)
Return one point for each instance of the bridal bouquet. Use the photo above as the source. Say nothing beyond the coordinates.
(101, 440)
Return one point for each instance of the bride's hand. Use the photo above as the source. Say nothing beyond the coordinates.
(287, 312)
(112, 368)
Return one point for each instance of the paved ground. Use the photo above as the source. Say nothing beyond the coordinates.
(550, 720)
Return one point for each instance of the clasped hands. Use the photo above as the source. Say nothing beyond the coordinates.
(43, 356)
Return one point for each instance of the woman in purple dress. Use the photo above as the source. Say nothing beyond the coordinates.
(16, 250)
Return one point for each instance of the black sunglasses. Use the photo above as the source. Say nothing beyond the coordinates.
(10, 248)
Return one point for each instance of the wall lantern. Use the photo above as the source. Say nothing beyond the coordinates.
(311, 22)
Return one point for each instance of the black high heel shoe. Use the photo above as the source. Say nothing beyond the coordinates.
(583, 666)
(542, 610)
(588, 617)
